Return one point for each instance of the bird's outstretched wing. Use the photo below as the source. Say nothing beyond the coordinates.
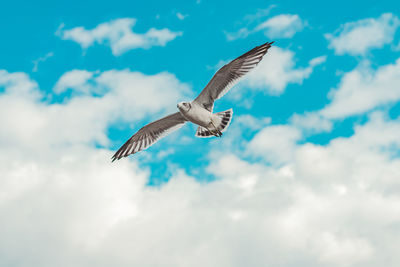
(229, 75)
(150, 134)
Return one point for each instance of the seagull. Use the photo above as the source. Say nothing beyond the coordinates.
(200, 110)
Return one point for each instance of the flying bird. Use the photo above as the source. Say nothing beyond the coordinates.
(200, 110)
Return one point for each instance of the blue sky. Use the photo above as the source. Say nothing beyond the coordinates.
(314, 134)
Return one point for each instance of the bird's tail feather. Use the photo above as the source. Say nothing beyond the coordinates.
(225, 116)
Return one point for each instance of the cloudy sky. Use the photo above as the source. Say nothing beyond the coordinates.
(308, 173)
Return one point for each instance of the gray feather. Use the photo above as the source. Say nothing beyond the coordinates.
(150, 134)
(227, 76)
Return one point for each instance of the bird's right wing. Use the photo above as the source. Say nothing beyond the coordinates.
(150, 134)
(229, 75)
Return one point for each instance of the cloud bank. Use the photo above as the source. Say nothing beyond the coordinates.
(333, 205)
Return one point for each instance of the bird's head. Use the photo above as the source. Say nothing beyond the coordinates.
(184, 106)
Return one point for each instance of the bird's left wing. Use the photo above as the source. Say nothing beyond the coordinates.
(150, 134)
(229, 75)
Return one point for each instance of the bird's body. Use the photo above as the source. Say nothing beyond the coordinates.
(199, 115)
(200, 110)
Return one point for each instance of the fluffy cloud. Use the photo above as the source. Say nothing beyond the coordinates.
(118, 35)
(83, 118)
(357, 38)
(364, 89)
(275, 143)
(251, 122)
(334, 205)
(277, 70)
(76, 80)
(18, 83)
(281, 26)
(359, 91)
(312, 122)
(326, 205)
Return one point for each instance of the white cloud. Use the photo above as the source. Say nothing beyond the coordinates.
(327, 205)
(241, 33)
(281, 26)
(364, 89)
(259, 15)
(118, 35)
(317, 61)
(181, 16)
(277, 70)
(18, 83)
(41, 59)
(76, 79)
(275, 143)
(83, 119)
(357, 38)
(311, 122)
(243, 126)
(334, 205)
(251, 122)
(134, 92)
(365, 161)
